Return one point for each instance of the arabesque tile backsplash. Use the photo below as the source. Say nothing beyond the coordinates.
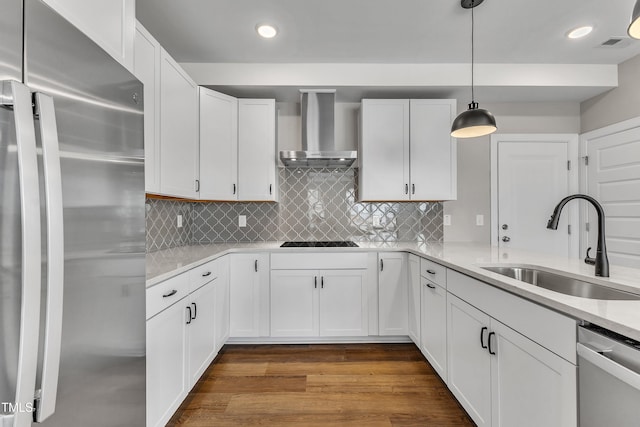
(315, 204)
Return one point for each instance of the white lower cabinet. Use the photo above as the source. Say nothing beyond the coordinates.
(311, 303)
(200, 325)
(166, 363)
(249, 295)
(413, 289)
(392, 294)
(501, 377)
(185, 331)
(433, 325)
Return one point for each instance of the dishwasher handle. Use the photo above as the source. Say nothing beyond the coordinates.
(624, 374)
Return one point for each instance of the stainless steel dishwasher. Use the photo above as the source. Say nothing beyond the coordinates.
(608, 377)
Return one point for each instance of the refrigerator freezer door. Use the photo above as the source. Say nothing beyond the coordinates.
(99, 117)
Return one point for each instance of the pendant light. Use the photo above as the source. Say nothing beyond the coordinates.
(634, 27)
(475, 121)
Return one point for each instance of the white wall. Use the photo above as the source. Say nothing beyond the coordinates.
(616, 105)
(474, 162)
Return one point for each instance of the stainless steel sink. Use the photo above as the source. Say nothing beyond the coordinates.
(563, 284)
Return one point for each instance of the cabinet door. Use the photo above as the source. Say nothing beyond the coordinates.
(201, 331)
(413, 288)
(469, 364)
(166, 363)
(384, 150)
(249, 295)
(392, 294)
(432, 150)
(343, 303)
(434, 326)
(531, 386)
(178, 130)
(147, 69)
(221, 312)
(257, 178)
(218, 146)
(109, 23)
(294, 303)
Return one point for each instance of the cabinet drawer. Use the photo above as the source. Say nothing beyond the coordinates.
(434, 272)
(203, 274)
(166, 293)
(319, 261)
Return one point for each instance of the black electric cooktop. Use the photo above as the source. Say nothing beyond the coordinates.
(336, 244)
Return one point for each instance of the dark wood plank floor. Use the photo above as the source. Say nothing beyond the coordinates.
(364, 385)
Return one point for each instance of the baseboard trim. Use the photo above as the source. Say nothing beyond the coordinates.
(320, 340)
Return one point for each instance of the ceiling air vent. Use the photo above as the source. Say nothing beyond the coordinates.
(616, 42)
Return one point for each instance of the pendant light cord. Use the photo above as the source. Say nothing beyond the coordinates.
(473, 98)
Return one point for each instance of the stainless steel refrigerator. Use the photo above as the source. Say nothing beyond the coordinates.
(72, 229)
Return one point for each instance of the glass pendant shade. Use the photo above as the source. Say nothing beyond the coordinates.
(634, 27)
(473, 122)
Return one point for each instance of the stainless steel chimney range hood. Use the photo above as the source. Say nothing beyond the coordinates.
(318, 134)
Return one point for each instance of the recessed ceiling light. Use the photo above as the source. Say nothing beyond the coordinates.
(267, 31)
(580, 32)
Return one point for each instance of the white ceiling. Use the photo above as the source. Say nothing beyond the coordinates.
(390, 32)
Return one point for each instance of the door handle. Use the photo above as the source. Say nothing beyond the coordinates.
(482, 331)
(270, 189)
(195, 310)
(170, 294)
(413, 189)
(255, 266)
(234, 189)
(16, 96)
(190, 318)
(433, 287)
(315, 282)
(491, 334)
(208, 273)
(432, 272)
(381, 265)
(322, 282)
(506, 239)
(45, 110)
(406, 189)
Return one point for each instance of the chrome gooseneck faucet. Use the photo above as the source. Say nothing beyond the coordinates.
(601, 261)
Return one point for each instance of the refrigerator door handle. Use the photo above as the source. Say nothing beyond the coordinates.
(17, 96)
(55, 257)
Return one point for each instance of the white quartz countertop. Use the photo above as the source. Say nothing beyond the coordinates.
(467, 258)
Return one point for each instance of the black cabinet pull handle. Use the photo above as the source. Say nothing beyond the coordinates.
(234, 189)
(381, 264)
(190, 318)
(406, 189)
(322, 282)
(170, 294)
(255, 267)
(482, 331)
(430, 286)
(195, 310)
(489, 341)
(413, 189)
(270, 189)
(208, 273)
(315, 282)
(431, 272)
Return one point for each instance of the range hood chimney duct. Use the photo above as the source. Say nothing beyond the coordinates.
(318, 134)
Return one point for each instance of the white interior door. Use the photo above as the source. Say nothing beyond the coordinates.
(530, 175)
(613, 178)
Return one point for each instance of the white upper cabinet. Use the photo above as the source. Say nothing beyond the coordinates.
(178, 130)
(146, 67)
(432, 150)
(406, 151)
(109, 23)
(384, 149)
(257, 179)
(218, 146)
